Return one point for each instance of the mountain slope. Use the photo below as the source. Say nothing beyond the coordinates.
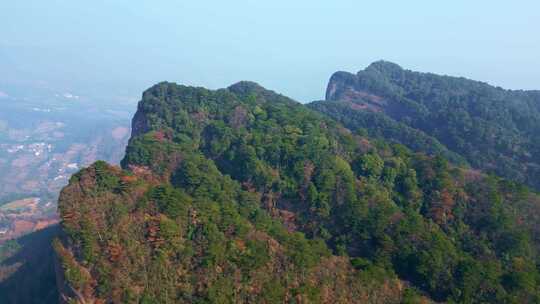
(174, 228)
(243, 195)
(492, 129)
(27, 273)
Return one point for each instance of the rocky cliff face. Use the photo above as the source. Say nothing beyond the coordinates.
(353, 87)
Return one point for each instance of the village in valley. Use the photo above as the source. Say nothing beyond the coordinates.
(41, 147)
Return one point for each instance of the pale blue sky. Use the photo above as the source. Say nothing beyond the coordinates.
(289, 46)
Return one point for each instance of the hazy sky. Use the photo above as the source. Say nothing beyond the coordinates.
(291, 46)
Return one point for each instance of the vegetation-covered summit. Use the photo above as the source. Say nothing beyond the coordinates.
(242, 195)
(490, 128)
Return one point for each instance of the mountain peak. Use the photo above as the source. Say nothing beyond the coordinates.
(246, 87)
(384, 67)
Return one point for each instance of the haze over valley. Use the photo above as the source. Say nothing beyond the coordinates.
(45, 136)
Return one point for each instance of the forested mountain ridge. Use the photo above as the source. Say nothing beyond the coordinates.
(242, 195)
(173, 227)
(490, 128)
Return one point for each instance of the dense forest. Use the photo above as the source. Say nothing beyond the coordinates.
(242, 195)
(495, 130)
